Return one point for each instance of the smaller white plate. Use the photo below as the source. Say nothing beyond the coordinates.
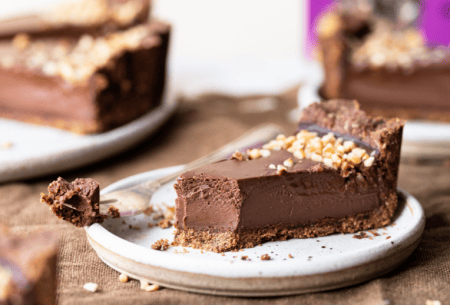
(318, 264)
(39, 150)
(420, 138)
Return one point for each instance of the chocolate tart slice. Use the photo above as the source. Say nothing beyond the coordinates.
(86, 84)
(337, 174)
(28, 268)
(391, 72)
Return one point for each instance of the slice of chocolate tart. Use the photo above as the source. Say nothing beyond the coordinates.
(337, 174)
(28, 267)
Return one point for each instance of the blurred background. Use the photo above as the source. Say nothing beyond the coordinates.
(237, 47)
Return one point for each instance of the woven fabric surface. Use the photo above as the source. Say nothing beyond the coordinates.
(198, 127)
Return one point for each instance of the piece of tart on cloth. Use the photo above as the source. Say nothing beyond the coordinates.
(337, 174)
(28, 268)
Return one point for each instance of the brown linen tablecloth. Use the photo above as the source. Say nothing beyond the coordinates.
(200, 126)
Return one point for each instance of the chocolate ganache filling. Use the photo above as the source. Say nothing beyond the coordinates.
(235, 194)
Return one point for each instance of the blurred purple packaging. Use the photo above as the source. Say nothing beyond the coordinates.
(433, 21)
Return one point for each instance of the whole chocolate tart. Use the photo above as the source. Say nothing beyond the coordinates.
(85, 84)
(390, 71)
(28, 268)
(75, 18)
(337, 174)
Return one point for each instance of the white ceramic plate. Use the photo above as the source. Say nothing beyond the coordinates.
(38, 150)
(420, 138)
(318, 263)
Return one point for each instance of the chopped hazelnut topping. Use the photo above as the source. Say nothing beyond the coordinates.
(349, 145)
(272, 166)
(144, 284)
(369, 162)
(151, 288)
(300, 154)
(392, 48)
(281, 137)
(253, 153)
(21, 41)
(265, 153)
(280, 168)
(288, 163)
(123, 278)
(78, 62)
(92, 287)
(237, 155)
(265, 257)
(316, 157)
(328, 162)
(332, 152)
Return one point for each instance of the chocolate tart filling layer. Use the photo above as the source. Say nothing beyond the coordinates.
(234, 204)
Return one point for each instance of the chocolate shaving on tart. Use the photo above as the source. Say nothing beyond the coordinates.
(82, 194)
(338, 174)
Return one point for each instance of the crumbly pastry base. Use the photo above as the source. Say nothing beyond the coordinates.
(221, 240)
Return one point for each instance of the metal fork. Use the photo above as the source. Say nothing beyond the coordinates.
(134, 200)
